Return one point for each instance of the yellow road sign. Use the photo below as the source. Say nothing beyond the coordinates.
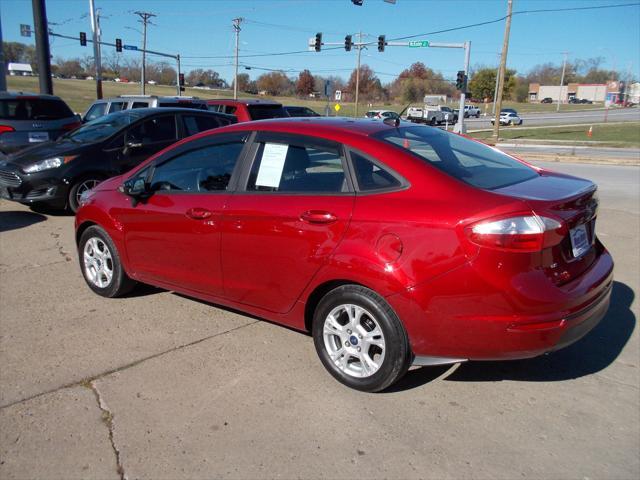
(337, 107)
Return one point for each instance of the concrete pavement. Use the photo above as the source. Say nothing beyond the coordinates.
(161, 386)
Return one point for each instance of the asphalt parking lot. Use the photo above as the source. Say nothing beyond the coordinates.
(157, 385)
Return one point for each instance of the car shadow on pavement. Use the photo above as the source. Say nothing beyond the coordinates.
(591, 354)
(14, 220)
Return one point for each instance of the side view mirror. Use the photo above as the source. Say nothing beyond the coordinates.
(137, 189)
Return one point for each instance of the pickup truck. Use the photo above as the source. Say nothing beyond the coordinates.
(470, 111)
(426, 114)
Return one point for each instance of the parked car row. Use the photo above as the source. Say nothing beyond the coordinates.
(379, 238)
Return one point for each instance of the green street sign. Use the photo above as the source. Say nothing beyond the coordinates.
(419, 43)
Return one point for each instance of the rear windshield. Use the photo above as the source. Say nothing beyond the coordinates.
(466, 160)
(33, 109)
(261, 112)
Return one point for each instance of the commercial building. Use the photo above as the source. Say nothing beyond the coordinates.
(595, 92)
(21, 69)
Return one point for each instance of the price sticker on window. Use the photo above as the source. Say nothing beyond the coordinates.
(271, 165)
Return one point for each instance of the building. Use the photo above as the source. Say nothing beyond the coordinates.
(595, 92)
(632, 93)
(435, 99)
(20, 69)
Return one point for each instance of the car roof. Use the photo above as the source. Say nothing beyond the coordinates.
(19, 95)
(316, 126)
(243, 101)
(148, 111)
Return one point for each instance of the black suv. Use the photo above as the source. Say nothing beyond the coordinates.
(56, 174)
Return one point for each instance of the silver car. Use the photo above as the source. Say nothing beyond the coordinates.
(30, 118)
(126, 102)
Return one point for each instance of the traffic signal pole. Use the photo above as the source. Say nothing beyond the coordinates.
(359, 46)
(42, 46)
(95, 28)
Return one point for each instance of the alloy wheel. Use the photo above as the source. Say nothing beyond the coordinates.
(98, 262)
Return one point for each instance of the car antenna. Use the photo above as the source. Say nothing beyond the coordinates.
(403, 110)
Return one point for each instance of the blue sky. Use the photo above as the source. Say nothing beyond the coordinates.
(199, 28)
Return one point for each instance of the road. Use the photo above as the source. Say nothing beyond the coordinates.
(564, 118)
(157, 385)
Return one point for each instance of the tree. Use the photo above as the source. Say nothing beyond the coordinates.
(243, 82)
(275, 83)
(483, 83)
(417, 81)
(370, 86)
(305, 83)
(70, 68)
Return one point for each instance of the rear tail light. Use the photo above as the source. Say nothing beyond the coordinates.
(6, 128)
(71, 126)
(526, 233)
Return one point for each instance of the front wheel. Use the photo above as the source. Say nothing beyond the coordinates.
(78, 188)
(360, 339)
(100, 264)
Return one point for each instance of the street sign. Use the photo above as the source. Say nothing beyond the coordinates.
(419, 43)
(129, 47)
(25, 30)
(338, 95)
(337, 107)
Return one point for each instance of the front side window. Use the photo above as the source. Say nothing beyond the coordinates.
(116, 106)
(96, 111)
(281, 167)
(206, 169)
(158, 129)
(469, 161)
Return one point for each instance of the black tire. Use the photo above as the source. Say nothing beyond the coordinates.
(433, 121)
(397, 356)
(119, 283)
(78, 187)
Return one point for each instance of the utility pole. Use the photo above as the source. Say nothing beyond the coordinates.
(358, 73)
(564, 66)
(95, 28)
(3, 73)
(42, 46)
(236, 28)
(495, 92)
(503, 66)
(144, 19)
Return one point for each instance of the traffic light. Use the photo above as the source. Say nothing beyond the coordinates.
(318, 43)
(348, 43)
(181, 79)
(83, 39)
(461, 81)
(381, 43)
(118, 44)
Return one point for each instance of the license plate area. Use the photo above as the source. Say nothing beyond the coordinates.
(35, 137)
(580, 242)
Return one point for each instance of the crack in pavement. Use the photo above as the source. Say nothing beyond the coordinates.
(108, 419)
(127, 366)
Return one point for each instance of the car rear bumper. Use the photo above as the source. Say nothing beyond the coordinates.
(459, 316)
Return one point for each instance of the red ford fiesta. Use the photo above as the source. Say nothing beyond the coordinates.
(393, 244)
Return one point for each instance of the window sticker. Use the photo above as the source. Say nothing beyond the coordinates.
(272, 164)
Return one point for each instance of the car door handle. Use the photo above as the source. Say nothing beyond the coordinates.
(318, 217)
(198, 213)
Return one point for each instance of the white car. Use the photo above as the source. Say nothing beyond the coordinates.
(381, 114)
(471, 111)
(508, 118)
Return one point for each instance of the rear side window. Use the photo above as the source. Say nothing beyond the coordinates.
(158, 129)
(139, 105)
(196, 124)
(96, 111)
(466, 160)
(261, 112)
(34, 109)
(216, 108)
(280, 167)
(371, 176)
(207, 169)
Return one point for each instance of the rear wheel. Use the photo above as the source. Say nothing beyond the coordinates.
(360, 339)
(78, 188)
(100, 264)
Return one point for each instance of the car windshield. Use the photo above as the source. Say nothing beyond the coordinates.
(466, 160)
(102, 128)
(33, 109)
(261, 112)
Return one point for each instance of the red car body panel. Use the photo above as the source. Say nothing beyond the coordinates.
(456, 299)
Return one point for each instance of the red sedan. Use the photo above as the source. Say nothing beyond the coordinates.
(393, 244)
